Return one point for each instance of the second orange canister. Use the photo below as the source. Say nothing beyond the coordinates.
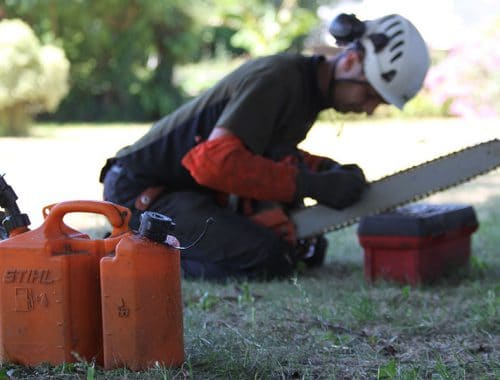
(141, 299)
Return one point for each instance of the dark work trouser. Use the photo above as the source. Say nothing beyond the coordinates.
(234, 246)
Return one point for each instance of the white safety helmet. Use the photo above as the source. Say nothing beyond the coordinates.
(398, 70)
(396, 58)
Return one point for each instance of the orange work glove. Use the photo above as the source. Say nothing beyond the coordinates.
(278, 221)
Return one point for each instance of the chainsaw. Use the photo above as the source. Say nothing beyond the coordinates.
(401, 188)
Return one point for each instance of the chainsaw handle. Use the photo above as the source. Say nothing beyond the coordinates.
(118, 216)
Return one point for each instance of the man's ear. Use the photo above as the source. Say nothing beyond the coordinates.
(350, 60)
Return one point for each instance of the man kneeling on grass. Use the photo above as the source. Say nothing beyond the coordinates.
(231, 153)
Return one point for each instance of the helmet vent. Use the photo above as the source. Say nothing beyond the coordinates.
(400, 43)
(396, 57)
(394, 24)
(389, 75)
(398, 33)
(386, 18)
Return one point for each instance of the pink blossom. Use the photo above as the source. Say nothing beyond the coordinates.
(469, 77)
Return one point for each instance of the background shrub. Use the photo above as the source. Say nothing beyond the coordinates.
(33, 77)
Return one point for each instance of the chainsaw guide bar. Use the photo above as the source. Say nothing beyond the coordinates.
(403, 187)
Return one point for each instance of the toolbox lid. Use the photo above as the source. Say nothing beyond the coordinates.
(419, 219)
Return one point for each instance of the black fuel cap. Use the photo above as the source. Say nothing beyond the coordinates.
(12, 222)
(155, 226)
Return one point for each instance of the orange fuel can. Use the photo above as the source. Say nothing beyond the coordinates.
(141, 298)
(50, 290)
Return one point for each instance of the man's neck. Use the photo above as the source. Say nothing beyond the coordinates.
(326, 72)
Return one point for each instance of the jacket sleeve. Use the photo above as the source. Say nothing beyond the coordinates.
(226, 165)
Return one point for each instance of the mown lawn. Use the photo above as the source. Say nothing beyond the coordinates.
(323, 324)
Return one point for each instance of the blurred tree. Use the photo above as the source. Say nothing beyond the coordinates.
(33, 77)
(123, 53)
(261, 27)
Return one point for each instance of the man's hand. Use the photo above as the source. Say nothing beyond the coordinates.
(338, 187)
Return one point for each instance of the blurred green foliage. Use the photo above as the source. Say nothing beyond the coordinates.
(137, 60)
(33, 77)
(123, 53)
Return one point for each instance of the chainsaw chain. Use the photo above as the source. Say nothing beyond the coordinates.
(419, 196)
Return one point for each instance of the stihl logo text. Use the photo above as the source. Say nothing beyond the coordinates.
(28, 276)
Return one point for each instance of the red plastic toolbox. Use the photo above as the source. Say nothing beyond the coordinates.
(417, 243)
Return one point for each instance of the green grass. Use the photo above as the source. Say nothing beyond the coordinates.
(329, 323)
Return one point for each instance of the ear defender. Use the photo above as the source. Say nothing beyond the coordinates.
(346, 28)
